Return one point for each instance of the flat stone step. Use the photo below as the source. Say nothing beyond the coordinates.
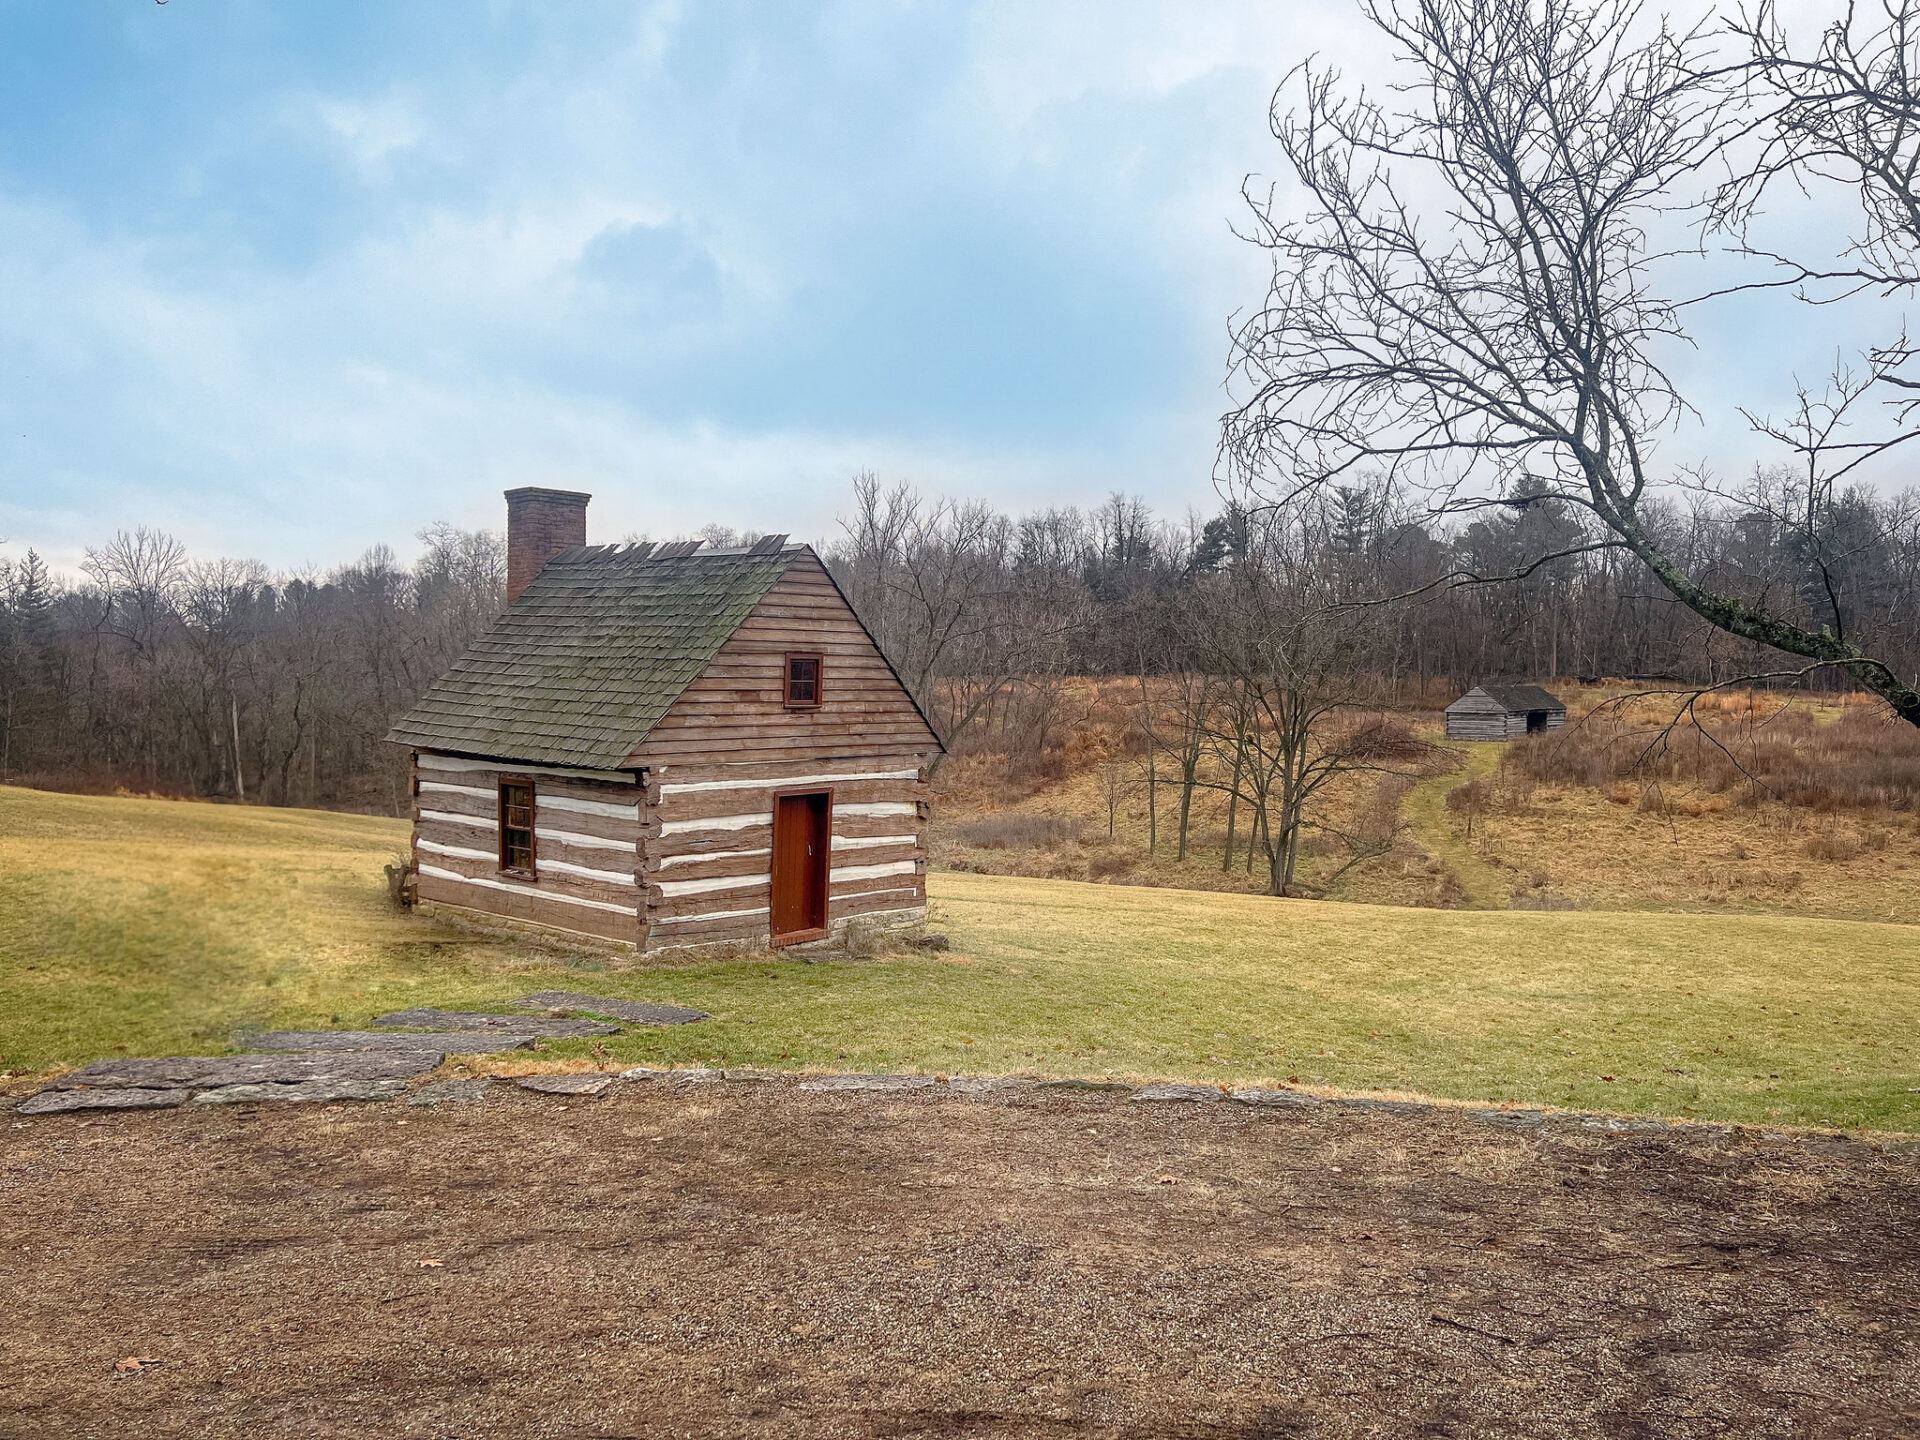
(207, 1072)
(1511, 1119)
(358, 1040)
(55, 1102)
(1286, 1099)
(867, 1082)
(302, 1091)
(639, 1012)
(1097, 1087)
(695, 1075)
(980, 1085)
(1190, 1094)
(566, 1084)
(465, 1022)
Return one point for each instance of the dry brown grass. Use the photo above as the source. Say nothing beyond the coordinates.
(1020, 831)
(1765, 804)
(1853, 755)
(1811, 807)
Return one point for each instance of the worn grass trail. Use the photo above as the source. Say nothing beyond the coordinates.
(1425, 810)
(153, 927)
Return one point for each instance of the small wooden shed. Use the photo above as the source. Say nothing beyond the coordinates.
(1500, 710)
(668, 746)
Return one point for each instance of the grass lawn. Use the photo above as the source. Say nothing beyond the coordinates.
(154, 927)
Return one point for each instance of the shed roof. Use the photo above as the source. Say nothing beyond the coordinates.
(1514, 698)
(590, 656)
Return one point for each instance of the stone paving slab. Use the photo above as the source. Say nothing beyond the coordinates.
(640, 1012)
(450, 1092)
(867, 1082)
(206, 1072)
(695, 1075)
(1190, 1094)
(1101, 1087)
(1613, 1124)
(56, 1102)
(468, 1023)
(566, 1084)
(328, 1040)
(302, 1091)
(979, 1086)
(1279, 1099)
(1511, 1119)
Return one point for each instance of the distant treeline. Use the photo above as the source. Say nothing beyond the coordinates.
(158, 671)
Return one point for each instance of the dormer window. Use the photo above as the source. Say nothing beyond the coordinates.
(803, 682)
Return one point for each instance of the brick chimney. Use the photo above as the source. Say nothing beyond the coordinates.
(540, 524)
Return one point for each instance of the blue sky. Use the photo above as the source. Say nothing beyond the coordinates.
(290, 279)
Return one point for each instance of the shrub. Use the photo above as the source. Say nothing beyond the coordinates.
(1109, 861)
(1831, 846)
(1387, 739)
(1020, 832)
(1758, 747)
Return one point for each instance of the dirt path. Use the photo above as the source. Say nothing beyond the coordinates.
(751, 1260)
(1425, 810)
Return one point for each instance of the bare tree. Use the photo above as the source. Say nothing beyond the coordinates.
(940, 586)
(1294, 661)
(1116, 788)
(1475, 301)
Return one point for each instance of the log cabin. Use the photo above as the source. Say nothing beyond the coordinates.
(1502, 710)
(668, 746)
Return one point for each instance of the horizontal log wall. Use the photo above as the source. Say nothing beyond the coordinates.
(708, 856)
(586, 846)
(716, 759)
(1477, 727)
(1497, 725)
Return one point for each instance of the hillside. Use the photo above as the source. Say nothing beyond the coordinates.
(155, 927)
(1810, 809)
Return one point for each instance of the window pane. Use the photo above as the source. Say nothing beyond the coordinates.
(803, 680)
(516, 827)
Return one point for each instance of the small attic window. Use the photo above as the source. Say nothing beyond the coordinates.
(803, 682)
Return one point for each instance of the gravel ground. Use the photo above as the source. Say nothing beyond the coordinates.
(755, 1260)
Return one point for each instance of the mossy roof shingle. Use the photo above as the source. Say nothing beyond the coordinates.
(589, 657)
(1515, 697)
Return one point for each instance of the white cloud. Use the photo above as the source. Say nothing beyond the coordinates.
(372, 130)
(465, 303)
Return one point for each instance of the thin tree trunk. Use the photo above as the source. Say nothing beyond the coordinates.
(1233, 802)
(1153, 803)
(239, 780)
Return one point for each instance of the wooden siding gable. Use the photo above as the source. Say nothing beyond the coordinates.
(1476, 702)
(734, 711)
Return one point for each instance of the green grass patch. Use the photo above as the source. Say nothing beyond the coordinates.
(152, 927)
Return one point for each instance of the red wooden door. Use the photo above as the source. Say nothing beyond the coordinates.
(800, 845)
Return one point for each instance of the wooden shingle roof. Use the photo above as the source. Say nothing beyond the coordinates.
(589, 657)
(1514, 698)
